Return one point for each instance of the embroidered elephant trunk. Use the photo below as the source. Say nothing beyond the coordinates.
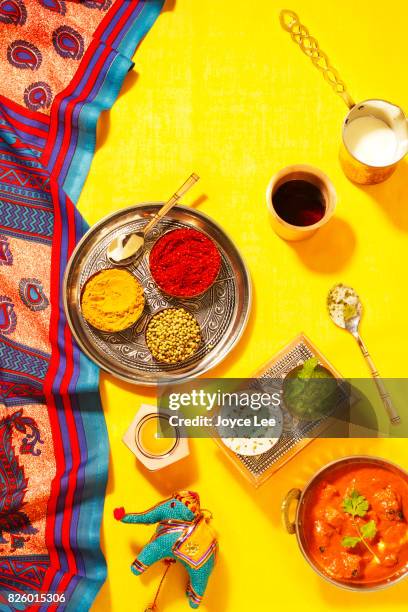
(183, 534)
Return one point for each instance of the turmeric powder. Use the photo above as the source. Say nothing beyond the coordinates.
(112, 300)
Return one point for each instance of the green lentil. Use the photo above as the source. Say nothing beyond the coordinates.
(173, 335)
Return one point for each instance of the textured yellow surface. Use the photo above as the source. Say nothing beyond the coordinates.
(220, 89)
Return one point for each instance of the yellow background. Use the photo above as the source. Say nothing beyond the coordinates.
(220, 89)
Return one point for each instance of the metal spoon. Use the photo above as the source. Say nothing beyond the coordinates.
(127, 248)
(345, 310)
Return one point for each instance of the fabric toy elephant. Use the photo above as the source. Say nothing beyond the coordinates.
(182, 534)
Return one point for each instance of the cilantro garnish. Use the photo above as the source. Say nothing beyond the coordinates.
(355, 504)
(350, 541)
(367, 532)
(308, 368)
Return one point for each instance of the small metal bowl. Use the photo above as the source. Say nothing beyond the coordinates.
(185, 297)
(155, 315)
(149, 417)
(118, 331)
(291, 376)
(302, 498)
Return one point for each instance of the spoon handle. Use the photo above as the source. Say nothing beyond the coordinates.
(310, 47)
(385, 396)
(192, 179)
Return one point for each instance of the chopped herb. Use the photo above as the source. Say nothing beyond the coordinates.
(366, 531)
(355, 504)
(308, 368)
(350, 541)
(369, 530)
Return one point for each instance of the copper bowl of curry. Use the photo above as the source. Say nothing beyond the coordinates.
(351, 522)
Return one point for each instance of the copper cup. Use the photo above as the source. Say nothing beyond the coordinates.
(312, 175)
(362, 170)
(366, 158)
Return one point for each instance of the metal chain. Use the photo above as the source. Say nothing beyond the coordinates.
(310, 47)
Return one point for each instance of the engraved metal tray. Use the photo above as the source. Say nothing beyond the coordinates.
(222, 311)
(296, 434)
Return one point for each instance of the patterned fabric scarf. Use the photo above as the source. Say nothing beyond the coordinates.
(62, 62)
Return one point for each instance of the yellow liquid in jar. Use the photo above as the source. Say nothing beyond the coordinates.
(149, 440)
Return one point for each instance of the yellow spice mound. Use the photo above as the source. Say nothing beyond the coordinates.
(112, 300)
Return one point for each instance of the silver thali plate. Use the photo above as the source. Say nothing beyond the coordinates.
(222, 311)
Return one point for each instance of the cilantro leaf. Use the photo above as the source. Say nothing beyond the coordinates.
(308, 368)
(350, 541)
(368, 530)
(355, 504)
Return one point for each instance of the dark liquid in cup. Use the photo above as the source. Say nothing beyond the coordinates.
(299, 203)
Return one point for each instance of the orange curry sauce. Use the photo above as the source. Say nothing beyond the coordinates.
(326, 524)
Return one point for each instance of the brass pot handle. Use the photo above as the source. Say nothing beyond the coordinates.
(294, 494)
(310, 47)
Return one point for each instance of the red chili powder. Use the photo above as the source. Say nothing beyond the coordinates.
(184, 262)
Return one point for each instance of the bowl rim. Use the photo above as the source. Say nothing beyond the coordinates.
(306, 169)
(154, 314)
(143, 420)
(117, 331)
(288, 377)
(346, 122)
(174, 295)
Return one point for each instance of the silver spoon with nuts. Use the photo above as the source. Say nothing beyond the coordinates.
(345, 311)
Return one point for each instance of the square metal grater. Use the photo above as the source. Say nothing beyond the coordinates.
(296, 435)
